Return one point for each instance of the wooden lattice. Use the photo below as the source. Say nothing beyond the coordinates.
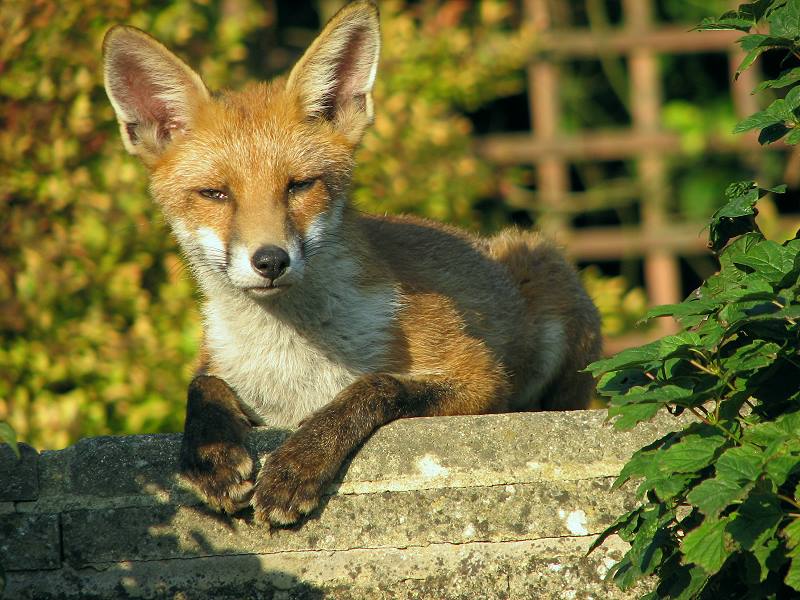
(657, 239)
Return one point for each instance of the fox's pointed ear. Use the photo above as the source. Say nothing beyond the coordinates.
(334, 78)
(153, 92)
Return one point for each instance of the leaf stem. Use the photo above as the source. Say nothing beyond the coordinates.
(703, 417)
(703, 368)
(788, 500)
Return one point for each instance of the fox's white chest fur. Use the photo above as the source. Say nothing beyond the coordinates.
(288, 359)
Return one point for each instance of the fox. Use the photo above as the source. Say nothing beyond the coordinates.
(317, 317)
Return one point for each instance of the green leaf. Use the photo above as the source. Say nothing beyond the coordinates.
(768, 433)
(737, 216)
(769, 259)
(712, 495)
(755, 45)
(792, 98)
(787, 77)
(632, 414)
(684, 309)
(648, 354)
(784, 22)
(779, 467)
(792, 578)
(752, 286)
(759, 120)
(772, 133)
(657, 392)
(740, 465)
(646, 550)
(7, 436)
(730, 20)
(792, 534)
(684, 582)
(620, 382)
(794, 137)
(667, 485)
(626, 521)
(763, 554)
(691, 454)
(756, 521)
(742, 19)
(627, 358)
(752, 357)
(705, 546)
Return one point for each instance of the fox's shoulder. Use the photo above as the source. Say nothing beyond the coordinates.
(427, 255)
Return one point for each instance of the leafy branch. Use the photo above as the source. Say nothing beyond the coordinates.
(719, 511)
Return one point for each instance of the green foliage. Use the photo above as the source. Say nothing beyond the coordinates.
(720, 499)
(98, 323)
(98, 320)
(620, 308)
(419, 156)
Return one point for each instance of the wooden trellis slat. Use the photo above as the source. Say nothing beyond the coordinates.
(522, 148)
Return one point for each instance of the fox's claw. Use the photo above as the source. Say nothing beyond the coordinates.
(220, 474)
(289, 485)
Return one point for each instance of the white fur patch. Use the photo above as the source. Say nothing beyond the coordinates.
(182, 233)
(211, 242)
(240, 270)
(284, 362)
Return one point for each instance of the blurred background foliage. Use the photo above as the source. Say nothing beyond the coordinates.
(98, 318)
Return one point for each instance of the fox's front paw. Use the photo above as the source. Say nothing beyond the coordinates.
(220, 474)
(290, 483)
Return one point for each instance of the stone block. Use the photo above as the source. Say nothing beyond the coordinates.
(19, 477)
(29, 541)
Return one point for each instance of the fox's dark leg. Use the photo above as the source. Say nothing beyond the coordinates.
(291, 481)
(213, 457)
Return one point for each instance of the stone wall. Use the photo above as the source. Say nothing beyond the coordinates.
(498, 506)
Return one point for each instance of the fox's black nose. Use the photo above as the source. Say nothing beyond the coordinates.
(270, 261)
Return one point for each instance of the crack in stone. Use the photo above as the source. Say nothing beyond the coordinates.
(76, 502)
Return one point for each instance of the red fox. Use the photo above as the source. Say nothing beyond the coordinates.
(317, 315)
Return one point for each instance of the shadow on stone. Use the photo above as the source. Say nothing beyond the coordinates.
(129, 528)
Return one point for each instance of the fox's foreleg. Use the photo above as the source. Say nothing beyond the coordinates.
(291, 481)
(213, 458)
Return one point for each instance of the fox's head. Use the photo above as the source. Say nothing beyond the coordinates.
(252, 181)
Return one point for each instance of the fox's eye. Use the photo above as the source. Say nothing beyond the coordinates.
(213, 194)
(296, 187)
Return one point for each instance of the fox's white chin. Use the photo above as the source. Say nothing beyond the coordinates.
(265, 292)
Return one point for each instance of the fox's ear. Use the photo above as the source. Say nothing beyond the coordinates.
(153, 92)
(334, 77)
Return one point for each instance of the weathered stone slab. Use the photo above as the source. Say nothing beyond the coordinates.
(19, 477)
(387, 519)
(124, 465)
(542, 569)
(494, 450)
(29, 541)
(410, 454)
